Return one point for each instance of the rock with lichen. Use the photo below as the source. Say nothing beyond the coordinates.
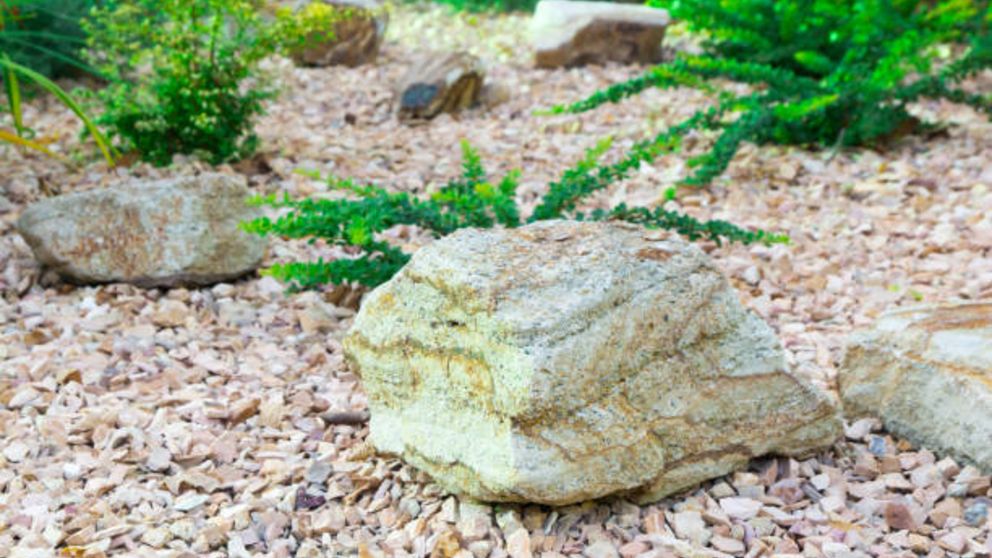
(927, 373)
(565, 361)
(177, 231)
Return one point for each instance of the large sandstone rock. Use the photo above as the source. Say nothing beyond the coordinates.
(438, 83)
(357, 38)
(571, 33)
(158, 233)
(927, 372)
(565, 361)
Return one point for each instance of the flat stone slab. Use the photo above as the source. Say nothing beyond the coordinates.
(565, 361)
(927, 373)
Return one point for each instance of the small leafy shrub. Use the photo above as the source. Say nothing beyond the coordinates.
(355, 220)
(184, 74)
(824, 73)
(44, 35)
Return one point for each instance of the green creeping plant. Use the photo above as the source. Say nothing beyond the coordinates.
(824, 73)
(355, 220)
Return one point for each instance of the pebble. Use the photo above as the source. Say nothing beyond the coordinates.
(156, 537)
(16, 452)
(601, 549)
(727, 544)
(159, 459)
(877, 445)
(860, 429)
(898, 515)
(690, 525)
(518, 544)
(318, 472)
(170, 313)
(190, 501)
(740, 508)
(953, 542)
(976, 514)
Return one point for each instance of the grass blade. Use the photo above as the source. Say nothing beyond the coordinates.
(15, 139)
(13, 96)
(109, 153)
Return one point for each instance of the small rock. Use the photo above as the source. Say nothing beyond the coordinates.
(727, 544)
(190, 501)
(633, 549)
(575, 33)
(945, 509)
(600, 549)
(156, 537)
(860, 429)
(184, 529)
(518, 544)
(438, 83)
(71, 471)
(181, 230)
(319, 471)
(953, 542)
(788, 490)
(740, 508)
(170, 313)
(948, 468)
(235, 313)
(925, 371)
(898, 515)
(919, 544)
(690, 525)
(159, 459)
(722, 490)
(356, 40)
(877, 446)
(316, 318)
(833, 549)
(15, 452)
(243, 410)
(24, 397)
(976, 514)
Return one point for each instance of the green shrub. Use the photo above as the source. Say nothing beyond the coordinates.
(44, 35)
(184, 74)
(356, 219)
(823, 73)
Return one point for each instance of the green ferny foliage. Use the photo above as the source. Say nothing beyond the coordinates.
(184, 74)
(357, 219)
(824, 73)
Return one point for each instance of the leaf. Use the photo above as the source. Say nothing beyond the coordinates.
(29, 144)
(13, 96)
(48, 85)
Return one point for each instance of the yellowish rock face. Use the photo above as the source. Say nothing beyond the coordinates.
(927, 372)
(566, 361)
